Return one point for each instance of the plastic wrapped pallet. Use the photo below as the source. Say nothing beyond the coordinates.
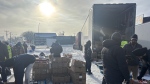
(40, 70)
(79, 81)
(61, 78)
(78, 66)
(77, 63)
(77, 78)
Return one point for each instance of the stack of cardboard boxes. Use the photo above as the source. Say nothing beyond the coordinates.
(78, 72)
(59, 69)
(40, 70)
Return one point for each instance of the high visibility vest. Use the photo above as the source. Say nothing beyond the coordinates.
(123, 43)
(9, 51)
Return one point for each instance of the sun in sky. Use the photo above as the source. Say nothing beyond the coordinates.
(46, 8)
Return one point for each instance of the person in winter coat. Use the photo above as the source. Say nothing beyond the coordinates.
(25, 47)
(87, 54)
(18, 49)
(131, 59)
(56, 49)
(3, 55)
(9, 49)
(114, 61)
(19, 63)
(144, 55)
(32, 47)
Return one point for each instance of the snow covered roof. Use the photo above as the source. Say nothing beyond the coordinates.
(44, 34)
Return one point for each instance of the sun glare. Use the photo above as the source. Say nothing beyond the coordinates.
(46, 8)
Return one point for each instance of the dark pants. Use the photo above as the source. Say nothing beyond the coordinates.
(103, 81)
(3, 74)
(88, 65)
(143, 71)
(18, 73)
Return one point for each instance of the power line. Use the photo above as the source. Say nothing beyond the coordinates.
(85, 22)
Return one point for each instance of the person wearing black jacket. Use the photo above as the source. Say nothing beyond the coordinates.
(144, 55)
(19, 63)
(3, 55)
(114, 62)
(56, 49)
(132, 60)
(87, 54)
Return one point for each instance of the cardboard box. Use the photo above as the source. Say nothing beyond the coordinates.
(43, 65)
(59, 70)
(36, 71)
(65, 64)
(77, 63)
(59, 65)
(79, 76)
(60, 79)
(40, 71)
(36, 65)
(56, 65)
(57, 60)
(79, 81)
(65, 59)
(56, 70)
(38, 77)
(78, 69)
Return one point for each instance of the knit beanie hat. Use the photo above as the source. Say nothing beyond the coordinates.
(134, 36)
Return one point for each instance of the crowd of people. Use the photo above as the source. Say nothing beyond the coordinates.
(15, 57)
(122, 60)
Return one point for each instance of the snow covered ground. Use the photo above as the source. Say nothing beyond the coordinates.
(96, 78)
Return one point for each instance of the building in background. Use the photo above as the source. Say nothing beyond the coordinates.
(40, 38)
(65, 40)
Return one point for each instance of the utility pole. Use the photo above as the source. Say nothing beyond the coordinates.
(6, 34)
(10, 37)
(38, 27)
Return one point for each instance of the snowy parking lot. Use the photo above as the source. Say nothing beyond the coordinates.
(95, 78)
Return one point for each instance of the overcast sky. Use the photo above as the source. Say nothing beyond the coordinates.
(17, 16)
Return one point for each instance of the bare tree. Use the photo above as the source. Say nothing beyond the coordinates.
(29, 36)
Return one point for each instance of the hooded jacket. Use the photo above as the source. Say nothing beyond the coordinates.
(56, 49)
(114, 62)
(88, 51)
(3, 52)
(18, 49)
